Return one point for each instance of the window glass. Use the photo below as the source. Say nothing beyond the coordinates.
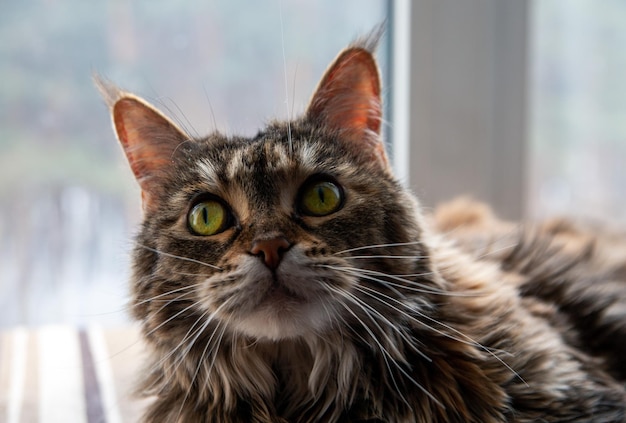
(578, 109)
(68, 203)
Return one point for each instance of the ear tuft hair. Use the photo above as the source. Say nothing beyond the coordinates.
(348, 100)
(147, 137)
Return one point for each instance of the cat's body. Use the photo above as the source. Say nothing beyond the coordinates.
(291, 278)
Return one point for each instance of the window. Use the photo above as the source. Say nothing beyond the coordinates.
(517, 103)
(520, 104)
(68, 203)
(578, 109)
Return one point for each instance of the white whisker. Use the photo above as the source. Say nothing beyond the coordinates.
(410, 342)
(387, 257)
(386, 355)
(174, 366)
(179, 257)
(380, 346)
(184, 288)
(194, 275)
(193, 304)
(197, 334)
(468, 340)
(410, 285)
(368, 247)
(361, 273)
(282, 38)
(126, 348)
(201, 362)
(206, 94)
(497, 250)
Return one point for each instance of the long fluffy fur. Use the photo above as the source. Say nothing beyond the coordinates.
(507, 325)
(391, 317)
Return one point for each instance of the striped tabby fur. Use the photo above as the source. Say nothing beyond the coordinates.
(375, 312)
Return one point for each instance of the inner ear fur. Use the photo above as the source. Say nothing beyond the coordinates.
(348, 101)
(148, 138)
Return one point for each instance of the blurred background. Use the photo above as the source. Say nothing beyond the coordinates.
(519, 103)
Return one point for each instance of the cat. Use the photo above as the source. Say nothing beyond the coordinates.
(289, 277)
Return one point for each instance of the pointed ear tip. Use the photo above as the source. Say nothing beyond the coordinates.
(357, 51)
(354, 58)
(110, 92)
(370, 41)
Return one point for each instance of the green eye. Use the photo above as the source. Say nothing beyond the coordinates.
(208, 218)
(321, 198)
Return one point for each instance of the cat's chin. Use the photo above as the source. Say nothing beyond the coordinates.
(282, 314)
(276, 324)
(291, 302)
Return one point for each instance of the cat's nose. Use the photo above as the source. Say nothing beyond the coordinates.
(270, 250)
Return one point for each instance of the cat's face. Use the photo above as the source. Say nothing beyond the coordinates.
(267, 237)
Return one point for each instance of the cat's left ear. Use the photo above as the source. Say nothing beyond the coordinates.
(148, 137)
(348, 100)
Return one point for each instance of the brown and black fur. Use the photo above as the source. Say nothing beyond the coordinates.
(393, 316)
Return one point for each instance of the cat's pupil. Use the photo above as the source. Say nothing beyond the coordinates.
(321, 199)
(320, 193)
(208, 218)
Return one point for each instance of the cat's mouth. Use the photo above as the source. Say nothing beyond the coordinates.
(278, 294)
(278, 313)
(293, 300)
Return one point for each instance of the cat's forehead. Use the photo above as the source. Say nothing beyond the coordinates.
(264, 155)
(267, 156)
(253, 174)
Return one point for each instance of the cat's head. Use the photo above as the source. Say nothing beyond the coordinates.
(278, 236)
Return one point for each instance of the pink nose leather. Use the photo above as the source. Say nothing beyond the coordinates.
(270, 250)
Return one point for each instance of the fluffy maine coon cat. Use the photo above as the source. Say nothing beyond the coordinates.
(289, 277)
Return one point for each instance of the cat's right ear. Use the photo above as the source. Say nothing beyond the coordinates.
(348, 100)
(148, 138)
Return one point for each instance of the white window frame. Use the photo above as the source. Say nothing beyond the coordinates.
(459, 100)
